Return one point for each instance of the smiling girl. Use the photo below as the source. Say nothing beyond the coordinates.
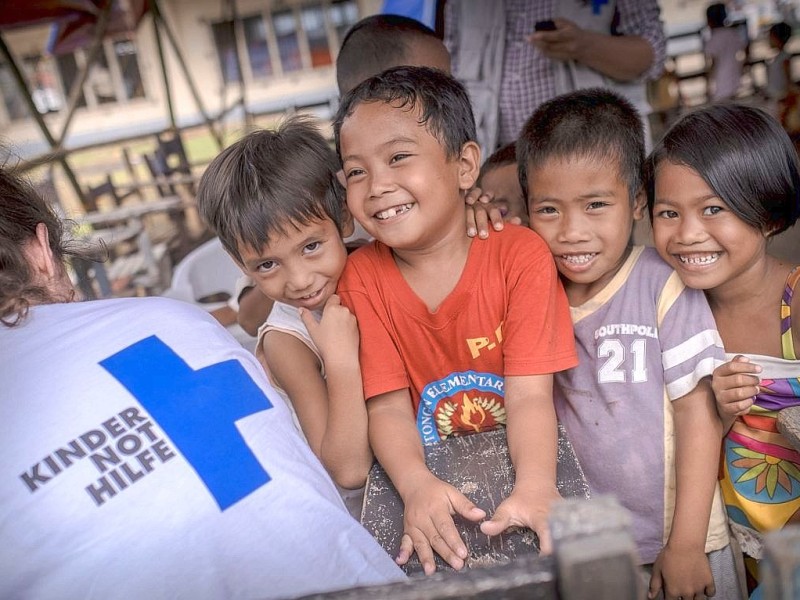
(723, 181)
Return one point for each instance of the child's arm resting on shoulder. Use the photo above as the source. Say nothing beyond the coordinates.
(533, 446)
(481, 212)
(735, 386)
(429, 502)
(682, 568)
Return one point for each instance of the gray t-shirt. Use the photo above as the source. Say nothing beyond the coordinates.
(643, 341)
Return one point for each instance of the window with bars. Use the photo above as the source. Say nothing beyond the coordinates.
(284, 41)
(113, 78)
(255, 33)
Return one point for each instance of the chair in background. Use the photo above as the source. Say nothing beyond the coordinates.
(207, 277)
(95, 193)
(134, 176)
(143, 267)
(158, 172)
(173, 146)
(169, 167)
(106, 189)
(169, 163)
(87, 272)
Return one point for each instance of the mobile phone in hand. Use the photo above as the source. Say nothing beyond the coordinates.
(544, 26)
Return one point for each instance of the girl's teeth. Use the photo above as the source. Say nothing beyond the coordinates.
(391, 212)
(699, 260)
(579, 259)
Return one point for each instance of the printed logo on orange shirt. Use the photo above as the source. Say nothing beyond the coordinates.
(460, 404)
(479, 344)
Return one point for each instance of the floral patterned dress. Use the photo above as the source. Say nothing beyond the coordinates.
(761, 469)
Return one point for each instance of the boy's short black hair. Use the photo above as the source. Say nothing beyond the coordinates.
(745, 157)
(716, 14)
(374, 44)
(268, 181)
(593, 123)
(781, 32)
(443, 102)
(506, 155)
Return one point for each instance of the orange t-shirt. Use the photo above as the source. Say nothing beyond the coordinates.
(507, 315)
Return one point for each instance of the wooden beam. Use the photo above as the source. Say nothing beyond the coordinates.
(158, 17)
(28, 98)
(238, 29)
(77, 85)
(163, 63)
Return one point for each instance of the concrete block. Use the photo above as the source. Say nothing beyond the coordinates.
(780, 566)
(594, 550)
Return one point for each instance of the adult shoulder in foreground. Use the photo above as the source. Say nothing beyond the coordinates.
(146, 455)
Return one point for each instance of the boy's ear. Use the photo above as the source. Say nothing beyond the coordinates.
(469, 165)
(348, 227)
(639, 205)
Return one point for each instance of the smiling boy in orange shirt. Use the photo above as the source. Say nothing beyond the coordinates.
(456, 336)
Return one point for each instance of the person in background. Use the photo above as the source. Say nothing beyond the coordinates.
(513, 55)
(724, 50)
(379, 42)
(145, 454)
(781, 92)
(499, 180)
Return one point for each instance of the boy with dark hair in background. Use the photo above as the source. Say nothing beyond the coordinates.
(380, 42)
(499, 180)
(456, 336)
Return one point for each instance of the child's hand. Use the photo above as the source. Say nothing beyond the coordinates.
(336, 333)
(735, 386)
(481, 211)
(681, 574)
(525, 509)
(428, 524)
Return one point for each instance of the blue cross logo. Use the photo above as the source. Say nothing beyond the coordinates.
(198, 411)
